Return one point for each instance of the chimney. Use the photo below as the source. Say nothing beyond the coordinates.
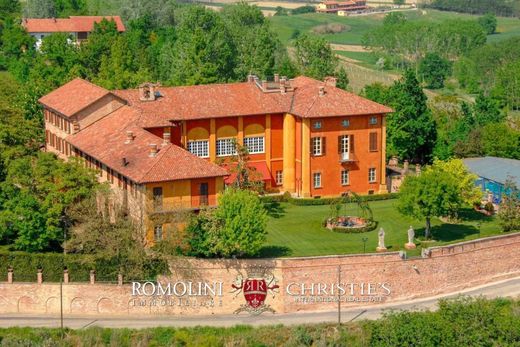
(166, 139)
(282, 85)
(330, 81)
(264, 85)
(147, 92)
(251, 78)
(321, 90)
(129, 136)
(405, 166)
(153, 150)
(276, 78)
(124, 162)
(418, 169)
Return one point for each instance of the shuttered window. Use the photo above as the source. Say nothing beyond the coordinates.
(373, 142)
(318, 146)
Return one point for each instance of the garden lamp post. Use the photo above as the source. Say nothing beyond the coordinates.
(478, 226)
(365, 239)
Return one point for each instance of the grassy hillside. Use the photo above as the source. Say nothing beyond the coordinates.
(359, 25)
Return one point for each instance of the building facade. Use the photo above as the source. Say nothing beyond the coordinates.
(79, 27)
(342, 8)
(158, 147)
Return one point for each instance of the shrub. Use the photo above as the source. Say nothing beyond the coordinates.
(25, 266)
(332, 28)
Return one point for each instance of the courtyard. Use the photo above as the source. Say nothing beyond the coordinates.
(296, 231)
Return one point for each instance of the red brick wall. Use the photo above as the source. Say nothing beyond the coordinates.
(448, 269)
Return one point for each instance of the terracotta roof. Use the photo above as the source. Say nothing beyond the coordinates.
(68, 25)
(105, 139)
(308, 103)
(243, 99)
(205, 101)
(73, 96)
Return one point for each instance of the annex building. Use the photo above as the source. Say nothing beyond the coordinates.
(158, 147)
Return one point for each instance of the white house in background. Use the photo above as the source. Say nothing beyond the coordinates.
(78, 26)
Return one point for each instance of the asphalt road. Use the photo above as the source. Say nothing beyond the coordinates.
(510, 287)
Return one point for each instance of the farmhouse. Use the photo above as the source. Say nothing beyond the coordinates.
(158, 147)
(341, 6)
(77, 26)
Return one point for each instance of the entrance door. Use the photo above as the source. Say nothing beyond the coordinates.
(204, 192)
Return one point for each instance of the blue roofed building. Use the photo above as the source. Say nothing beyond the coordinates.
(493, 173)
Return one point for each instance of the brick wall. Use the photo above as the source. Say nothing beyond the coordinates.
(445, 269)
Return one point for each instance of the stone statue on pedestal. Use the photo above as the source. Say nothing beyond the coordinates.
(411, 236)
(381, 241)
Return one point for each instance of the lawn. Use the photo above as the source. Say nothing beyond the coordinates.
(357, 26)
(298, 231)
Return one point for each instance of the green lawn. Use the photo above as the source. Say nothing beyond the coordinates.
(298, 231)
(359, 25)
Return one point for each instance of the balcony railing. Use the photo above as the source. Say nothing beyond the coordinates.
(347, 157)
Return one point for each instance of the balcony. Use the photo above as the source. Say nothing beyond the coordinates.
(347, 157)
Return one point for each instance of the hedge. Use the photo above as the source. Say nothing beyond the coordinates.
(25, 267)
(321, 201)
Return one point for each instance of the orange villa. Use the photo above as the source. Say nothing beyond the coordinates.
(157, 146)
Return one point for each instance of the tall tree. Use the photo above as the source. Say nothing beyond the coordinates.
(434, 69)
(314, 56)
(411, 128)
(40, 9)
(204, 51)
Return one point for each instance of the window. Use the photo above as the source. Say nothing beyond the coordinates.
(317, 179)
(157, 198)
(344, 178)
(345, 123)
(279, 177)
(371, 175)
(254, 144)
(373, 120)
(373, 142)
(318, 146)
(200, 148)
(204, 192)
(226, 147)
(317, 125)
(157, 233)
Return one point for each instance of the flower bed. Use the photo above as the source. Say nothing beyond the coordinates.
(350, 224)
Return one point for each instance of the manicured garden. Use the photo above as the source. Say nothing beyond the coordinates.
(299, 231)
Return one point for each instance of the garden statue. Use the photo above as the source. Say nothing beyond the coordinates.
(411, 236)
(381, 242)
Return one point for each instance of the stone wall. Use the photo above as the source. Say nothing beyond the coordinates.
(304, 284)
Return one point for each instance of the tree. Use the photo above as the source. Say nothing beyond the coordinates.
(235, 228)
(40, 9)
(398, 2)
(500, 140)
(411, 128)
(394, 18)
(9, 8)
(314, 57)
(434, 69)
(487, 110)
(509, 211)
(342, 78)
(488, 22)
(246, 177)
(431, 194)
(34, 196)
(255, 42)
(204, 51)
(465, 180)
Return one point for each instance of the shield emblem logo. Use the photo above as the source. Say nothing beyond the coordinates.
(255, 291)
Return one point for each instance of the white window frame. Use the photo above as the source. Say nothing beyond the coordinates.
(279, 177)
(345, 143)
(372, 176)
(316, 180)
(200, 148)
(160, 228)
(345, 177)
(226, 147)
(373, 120)
(255, 144)
(317, 146)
